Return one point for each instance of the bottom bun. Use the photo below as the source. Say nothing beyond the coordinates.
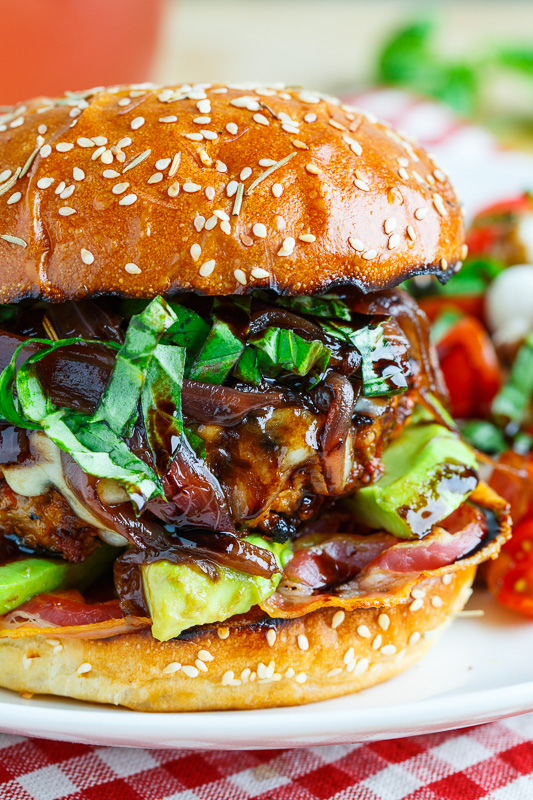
(250, 661)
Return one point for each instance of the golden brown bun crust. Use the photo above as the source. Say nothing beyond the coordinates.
(271, 662)
(96, 220)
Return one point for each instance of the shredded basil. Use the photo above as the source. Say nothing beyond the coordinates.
(220, 352)
(278, 350)
(247, 369)
(161, 401)
(484, 436)
(189, 330)
(325, 306)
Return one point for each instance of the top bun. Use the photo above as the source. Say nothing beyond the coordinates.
(144, 190)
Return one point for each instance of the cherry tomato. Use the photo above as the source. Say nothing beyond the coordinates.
(512, 479)
(471, 369)
(471, 304)
(510, 576)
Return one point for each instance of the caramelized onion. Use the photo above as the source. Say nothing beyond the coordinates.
(209, 403)
(280, 318)
(85, 318)
(335, 437)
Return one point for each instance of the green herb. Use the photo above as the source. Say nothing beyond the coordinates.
(443, 324)
(189, 330)
(161, 401)
(484, 436)
(196, 442)
(246, 368)
(281, 350)
(136, 161)
(325, 306)
(236, 210)
(118, 405)
(219, 354)
(512, 401)
(7, 185)
(268, 172)
(472, 279)
(373, 347)
(29, 162)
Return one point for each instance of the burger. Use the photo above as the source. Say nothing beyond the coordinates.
(228, 476)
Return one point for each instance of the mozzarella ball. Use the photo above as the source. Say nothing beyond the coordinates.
(509, 304)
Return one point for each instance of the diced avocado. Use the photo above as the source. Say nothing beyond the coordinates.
(22, 580)
(429, 472)
(180, 596)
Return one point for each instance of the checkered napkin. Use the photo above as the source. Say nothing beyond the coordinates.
(491, 762)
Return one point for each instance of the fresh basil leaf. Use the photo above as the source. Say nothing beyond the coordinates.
(281, 350)
(246, 368)
(325, 306)
(512, 401)
(221, 351)
(373, 348)
(118, 405)
(189, 330)
(161, 403)
(484, 436)
(196, 442)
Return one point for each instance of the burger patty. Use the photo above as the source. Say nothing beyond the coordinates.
(45, 523)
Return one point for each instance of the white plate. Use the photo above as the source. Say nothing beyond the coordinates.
(481, 670)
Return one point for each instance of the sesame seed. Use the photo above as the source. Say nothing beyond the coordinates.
(67, 193)
(44, 183)
(162, 163)
(204, 106)
(443, 263)
(416, 605)
(266, 162)
(42, 129)
(384, 621)
(137, 123)
(171, 118)
(16, 122)
(262, 671)
(336, 124)
(128, 200)
(414, 638)
(307, 237)
(231, 188)
(310, 118)
(195, 137)
(363, 631)
(173, 190)
(369, 255)
(191, 672)
(313, 169)
(303, 642)
(232, 128)
(357, 244)
(205, 158)
(200, 665)
(157, 177)
(5, 175)
(86, 256)
(106, 157)
(333, 672)
(125, 142)
(388, 649)
(195, 251)
(211, 223)
(101, 140)
(221, 167)
(261, 119)
(436, 601)
(287, 247)
(338, 619)
(439, 205)
(119, 188)
(289, 673)
(222, 633)
(66, 211)
(394, 241)
(390, 225)
(260, 230)
(259, 273)
(301, 677)
(421, 213)
(84, 142)
(363, 185)
(290, 128)
(271, 637)
(404, 175)
(228, 677)
(411, 233)
(418, 594)
(210, 193)
(245, 674)
(225, 227)
(60, 187)
(300, 145)
(240, 276)
(110, 173)
(175, 165)
(132, 269)
(439, 175)
(361, 666)
(211, 135)
(64, 147)
(277, 189)
(78, 174)
(84, 668)
(245, 102)
(205, 270)
(191, 187)
(349, 655)
(172, 668)
(245, 173)
(205, 655)
(45, 151)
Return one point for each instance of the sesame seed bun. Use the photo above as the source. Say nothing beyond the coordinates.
(245, 662)
(141, 190)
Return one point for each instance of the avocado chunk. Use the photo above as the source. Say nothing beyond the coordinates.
(22, 580)
(429, 472)
(180, 596)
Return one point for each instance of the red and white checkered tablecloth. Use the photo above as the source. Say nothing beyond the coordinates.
(490, 762)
